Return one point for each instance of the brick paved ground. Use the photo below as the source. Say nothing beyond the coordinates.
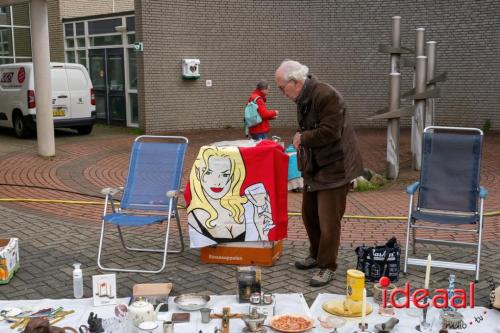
(53, 236)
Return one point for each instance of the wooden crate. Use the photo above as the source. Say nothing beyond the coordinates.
(245, 253)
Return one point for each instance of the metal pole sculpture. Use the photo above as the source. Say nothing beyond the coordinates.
(419, 94)
(393, 128)
(431, 63)
(420, 87)
(416, 135)
(394, 92)
(393, 113)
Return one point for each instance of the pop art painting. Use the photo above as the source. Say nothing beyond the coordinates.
(238, 194)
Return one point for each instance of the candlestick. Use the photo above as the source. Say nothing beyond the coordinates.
(428, 272)
(363, 308)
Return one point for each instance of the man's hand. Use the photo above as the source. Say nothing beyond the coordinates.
(297, 140)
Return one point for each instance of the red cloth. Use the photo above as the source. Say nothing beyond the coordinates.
(266, 163)
(265, 114)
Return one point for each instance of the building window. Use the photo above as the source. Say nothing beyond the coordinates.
(131, 23)
(131, 38)
(68, 30)
(70, 56)
(15, 34)
(80, 29)
(104, 26)
(5, 15)
(94, 44)
(82, 57)
(106, 40)
(6, 42)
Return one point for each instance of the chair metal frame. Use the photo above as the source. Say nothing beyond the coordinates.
(172, 194)
(411, 225)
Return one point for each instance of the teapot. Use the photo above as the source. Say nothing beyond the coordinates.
(141, 310)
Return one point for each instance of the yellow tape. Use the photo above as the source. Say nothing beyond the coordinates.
(76, 202)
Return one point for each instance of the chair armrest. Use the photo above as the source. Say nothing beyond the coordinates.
(111, 190)
(172, 194)
(483, 193)
(412, 188)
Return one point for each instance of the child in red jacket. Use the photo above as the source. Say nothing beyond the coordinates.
(261, 130)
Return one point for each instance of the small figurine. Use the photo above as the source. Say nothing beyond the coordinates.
(95, 323)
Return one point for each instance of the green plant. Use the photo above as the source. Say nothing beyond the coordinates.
(365, 185)
(486, 125)
(136, 131)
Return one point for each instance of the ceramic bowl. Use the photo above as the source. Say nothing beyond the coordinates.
(191, 302)
(331, 321)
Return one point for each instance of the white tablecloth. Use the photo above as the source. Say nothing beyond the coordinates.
(83, 307)
(407, 323)
(285, 303)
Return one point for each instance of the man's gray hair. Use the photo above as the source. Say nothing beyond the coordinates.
(294, 70)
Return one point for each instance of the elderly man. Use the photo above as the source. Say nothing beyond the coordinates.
(329, 159)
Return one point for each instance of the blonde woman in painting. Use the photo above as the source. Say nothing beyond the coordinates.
(217, 212)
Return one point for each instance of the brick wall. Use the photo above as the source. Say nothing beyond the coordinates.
(239, 42)
(56, 34)
(77, 8)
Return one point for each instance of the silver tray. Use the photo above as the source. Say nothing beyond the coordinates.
(191, 302)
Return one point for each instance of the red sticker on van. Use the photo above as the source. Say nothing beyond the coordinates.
(21, 75)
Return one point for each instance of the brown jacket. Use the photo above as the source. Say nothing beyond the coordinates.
(329, 152)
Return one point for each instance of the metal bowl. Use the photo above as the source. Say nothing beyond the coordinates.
(191, 302)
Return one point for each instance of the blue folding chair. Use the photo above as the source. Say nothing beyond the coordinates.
(150, 193)
(449, 192)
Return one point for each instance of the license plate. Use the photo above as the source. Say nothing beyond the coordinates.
(58, 112)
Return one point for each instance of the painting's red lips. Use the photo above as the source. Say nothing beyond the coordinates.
(216, 189)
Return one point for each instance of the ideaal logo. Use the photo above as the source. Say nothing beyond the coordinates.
(421, 298)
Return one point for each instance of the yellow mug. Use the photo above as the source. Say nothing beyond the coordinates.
(355, 283)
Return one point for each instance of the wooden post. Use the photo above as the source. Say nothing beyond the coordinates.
(416, 139)
(431, 63)
(394, 94)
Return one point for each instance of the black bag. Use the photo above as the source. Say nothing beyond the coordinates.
(379, 261)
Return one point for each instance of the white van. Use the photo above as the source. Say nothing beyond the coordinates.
(73, 99)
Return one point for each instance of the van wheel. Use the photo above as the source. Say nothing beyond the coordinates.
(84, 130)
(21, 127)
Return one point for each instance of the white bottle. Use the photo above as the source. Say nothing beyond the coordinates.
(77, 281)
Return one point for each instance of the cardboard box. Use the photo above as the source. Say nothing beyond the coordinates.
(9, 259)
(242, 253)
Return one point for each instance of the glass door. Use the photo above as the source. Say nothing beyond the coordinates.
(106, 72)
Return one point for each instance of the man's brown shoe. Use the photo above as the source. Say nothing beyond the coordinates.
(322, 277)
(306, 263)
